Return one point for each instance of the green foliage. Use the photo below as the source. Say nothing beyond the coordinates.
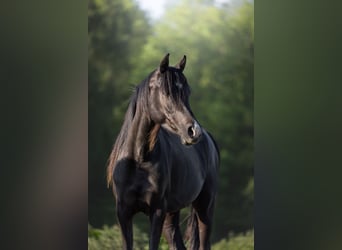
(236, 242)
(109, 238)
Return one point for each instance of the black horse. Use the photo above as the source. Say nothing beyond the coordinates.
(163, 161)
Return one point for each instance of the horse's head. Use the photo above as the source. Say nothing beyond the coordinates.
(169, 101)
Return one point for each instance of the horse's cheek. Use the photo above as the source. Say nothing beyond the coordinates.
(156, 115)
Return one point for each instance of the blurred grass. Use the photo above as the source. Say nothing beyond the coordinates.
(110, 238)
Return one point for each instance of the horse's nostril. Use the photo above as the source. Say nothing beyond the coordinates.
(191, 132)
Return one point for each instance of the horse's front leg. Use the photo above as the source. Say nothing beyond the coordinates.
(204, 206)
(172, 231)
(125, 216)
(157, 217)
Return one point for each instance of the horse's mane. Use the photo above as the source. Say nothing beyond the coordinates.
(139, 103)
(139, 96)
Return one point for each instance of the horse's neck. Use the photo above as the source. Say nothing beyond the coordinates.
(137, 136)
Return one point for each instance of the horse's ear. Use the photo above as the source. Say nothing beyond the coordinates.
(164, 64)
(181, 64)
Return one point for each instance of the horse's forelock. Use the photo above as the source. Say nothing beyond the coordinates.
(175, 84)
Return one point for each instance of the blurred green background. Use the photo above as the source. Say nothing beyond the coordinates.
(124, 45)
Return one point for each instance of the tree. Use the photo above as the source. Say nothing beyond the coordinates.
(116, 31)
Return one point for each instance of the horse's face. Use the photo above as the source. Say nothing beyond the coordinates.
(169, 101)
